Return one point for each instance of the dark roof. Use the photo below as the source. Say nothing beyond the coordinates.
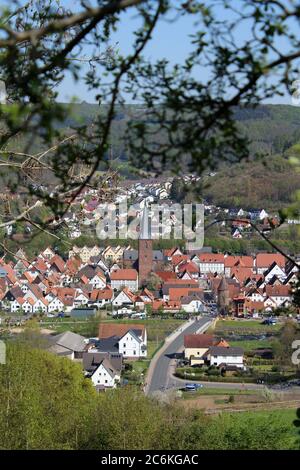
(192, 296)
(92, 360)
(132, 255)
(108, 345)
(221, 351)
(87, 271)
(69, 340)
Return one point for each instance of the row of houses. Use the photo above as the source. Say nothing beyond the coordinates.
(181, 281)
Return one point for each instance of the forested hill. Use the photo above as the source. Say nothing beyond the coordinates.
(270, 128)
(270, 182)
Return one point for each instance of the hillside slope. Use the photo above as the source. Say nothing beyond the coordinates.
(269, 183)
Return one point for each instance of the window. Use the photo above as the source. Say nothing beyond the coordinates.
(124, 345)
(134, 353)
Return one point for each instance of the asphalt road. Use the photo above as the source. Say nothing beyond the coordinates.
(161, 376)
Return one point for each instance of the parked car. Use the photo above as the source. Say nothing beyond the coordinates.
(192, 387)
(269, 321)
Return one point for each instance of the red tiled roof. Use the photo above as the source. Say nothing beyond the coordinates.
(188, 266)
(101, 294)
(176, 293)
(166, 275)
(176, 259)
(242, 261)
(278, 290)
(198, 341)
(211, 257)
(107, 330)
(166, 305)
(124, 274)
(264, 260)
(241, 274)
(58, 262)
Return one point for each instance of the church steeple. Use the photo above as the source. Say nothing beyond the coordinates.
(145, 232)
(145, 248)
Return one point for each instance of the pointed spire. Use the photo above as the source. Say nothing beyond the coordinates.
(145, 225)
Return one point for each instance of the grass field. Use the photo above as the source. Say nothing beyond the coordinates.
(157, 329)
(249, 345)
(217, 391)
(246, 326)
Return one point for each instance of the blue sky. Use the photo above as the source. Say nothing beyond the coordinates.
(170, 40)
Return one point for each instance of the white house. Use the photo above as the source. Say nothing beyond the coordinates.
(211, 263)
(124, 278)
(98, 281)
(132, 344)
(41, 305)
(80, 298)
(105, 375)
(125, 297)
(104, 369)
(192, 304)
(274, 270)
(130, 340)
(55, 305)
(101, 297)
(221, 356)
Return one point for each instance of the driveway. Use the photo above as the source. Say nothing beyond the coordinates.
(160, 377)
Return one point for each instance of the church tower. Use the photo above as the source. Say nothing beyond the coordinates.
(145, 248)
(223, 296)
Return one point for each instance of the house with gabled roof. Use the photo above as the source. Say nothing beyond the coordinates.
(192, 303)
(124, 298)
(264, 260)
(101, 297)
(104, 369)
(274, 270)
(197, 345)
(48, 253)
(280, 294)
(130, 340)
(124, 278)
(55, 305)
(211, 263)
(57, 264)
(224, 358)
(68, 344)
(98, 281)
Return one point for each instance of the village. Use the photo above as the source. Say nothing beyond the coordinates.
(130, 287)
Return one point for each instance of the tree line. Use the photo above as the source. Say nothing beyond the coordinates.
(46, 403)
